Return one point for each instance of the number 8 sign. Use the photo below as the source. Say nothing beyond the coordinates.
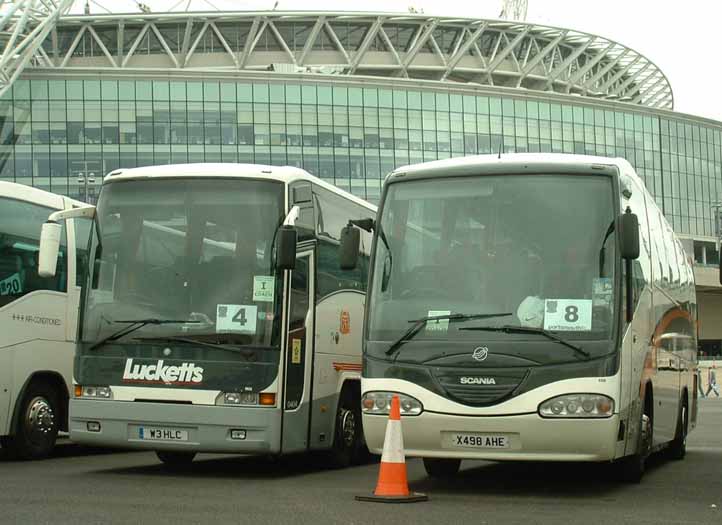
(568, 314)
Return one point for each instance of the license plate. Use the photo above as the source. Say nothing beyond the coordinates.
(471, 440)
(162, 434)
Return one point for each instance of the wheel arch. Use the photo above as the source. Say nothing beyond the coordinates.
(55, 381)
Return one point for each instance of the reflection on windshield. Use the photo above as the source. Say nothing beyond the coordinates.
(186, 249)
(523, 244)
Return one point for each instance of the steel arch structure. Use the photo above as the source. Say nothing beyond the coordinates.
(414, 46)
(24, 26)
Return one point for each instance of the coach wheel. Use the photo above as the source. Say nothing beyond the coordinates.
(632, 468)
(441, 468)
(175, 459)
(346, 440)
(678, 447)
(37, 426)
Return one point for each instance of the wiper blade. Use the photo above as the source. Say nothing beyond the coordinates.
(420, 323)
(136, 324)
(508, 329)
(175, 339)
(602, 250)
(385, 276)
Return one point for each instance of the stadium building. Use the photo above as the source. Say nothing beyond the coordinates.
(349, 97)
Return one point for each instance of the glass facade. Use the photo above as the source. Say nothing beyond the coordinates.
(55, 133)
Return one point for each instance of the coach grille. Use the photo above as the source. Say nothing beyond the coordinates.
(487, 386)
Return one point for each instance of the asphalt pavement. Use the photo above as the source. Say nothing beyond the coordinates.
(83, 486)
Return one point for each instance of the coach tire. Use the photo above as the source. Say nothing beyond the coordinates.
(442, 468)
(678, 448)
(175, 459)
(37, 425)
(346, 439)
(632, 468)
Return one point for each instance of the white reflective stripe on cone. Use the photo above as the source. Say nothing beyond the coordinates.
(393, 443)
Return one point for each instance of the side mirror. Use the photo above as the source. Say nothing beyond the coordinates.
(365, 224)
(286, 253)
(349, 249)
(49, 248)
(629, 235)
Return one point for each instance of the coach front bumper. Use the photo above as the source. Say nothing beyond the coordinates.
(528, 437)
(208, 427)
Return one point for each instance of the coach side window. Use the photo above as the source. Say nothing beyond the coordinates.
(20, 224)
(333, 214)
(82, 234)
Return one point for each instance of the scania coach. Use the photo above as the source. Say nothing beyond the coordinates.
(527, 307)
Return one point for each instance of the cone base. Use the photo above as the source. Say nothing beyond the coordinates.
(413, 497)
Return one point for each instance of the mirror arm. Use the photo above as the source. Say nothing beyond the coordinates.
(365, 224)
(292, 216)
(84, 212)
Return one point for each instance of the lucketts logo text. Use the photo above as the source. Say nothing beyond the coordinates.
(160, 373)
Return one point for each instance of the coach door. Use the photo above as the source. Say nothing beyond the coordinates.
(299, 355)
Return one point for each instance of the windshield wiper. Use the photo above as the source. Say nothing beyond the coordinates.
(136, 324)
(508, 329)
(420, 323)
(385, 276)
(172, 338)
(602, 250)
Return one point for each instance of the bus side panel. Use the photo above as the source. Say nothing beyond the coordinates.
(693, 359)
(635, 358)
(35, 339)
(636, 345)
(339, 326)
(671, 321)
(6, 387)
(687, 351)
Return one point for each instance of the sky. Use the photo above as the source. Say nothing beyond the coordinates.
(680, 37)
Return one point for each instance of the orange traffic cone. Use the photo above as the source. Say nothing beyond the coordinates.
(392, 486)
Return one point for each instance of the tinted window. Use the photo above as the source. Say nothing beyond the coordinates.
(82, 233)
(20, 224)
(333, 214)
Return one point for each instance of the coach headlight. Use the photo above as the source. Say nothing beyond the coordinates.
(237, 398)
(379, 403)
(577, 406)
(93, 392)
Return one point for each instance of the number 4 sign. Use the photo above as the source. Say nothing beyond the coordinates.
(236, 318)
(568, 315)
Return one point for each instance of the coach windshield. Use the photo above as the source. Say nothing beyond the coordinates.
(530, 251)
(195, 255)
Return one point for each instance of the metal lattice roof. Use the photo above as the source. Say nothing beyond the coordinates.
(415, 46)
(24, 25)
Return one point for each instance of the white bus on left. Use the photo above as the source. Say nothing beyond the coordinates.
(38, 321)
